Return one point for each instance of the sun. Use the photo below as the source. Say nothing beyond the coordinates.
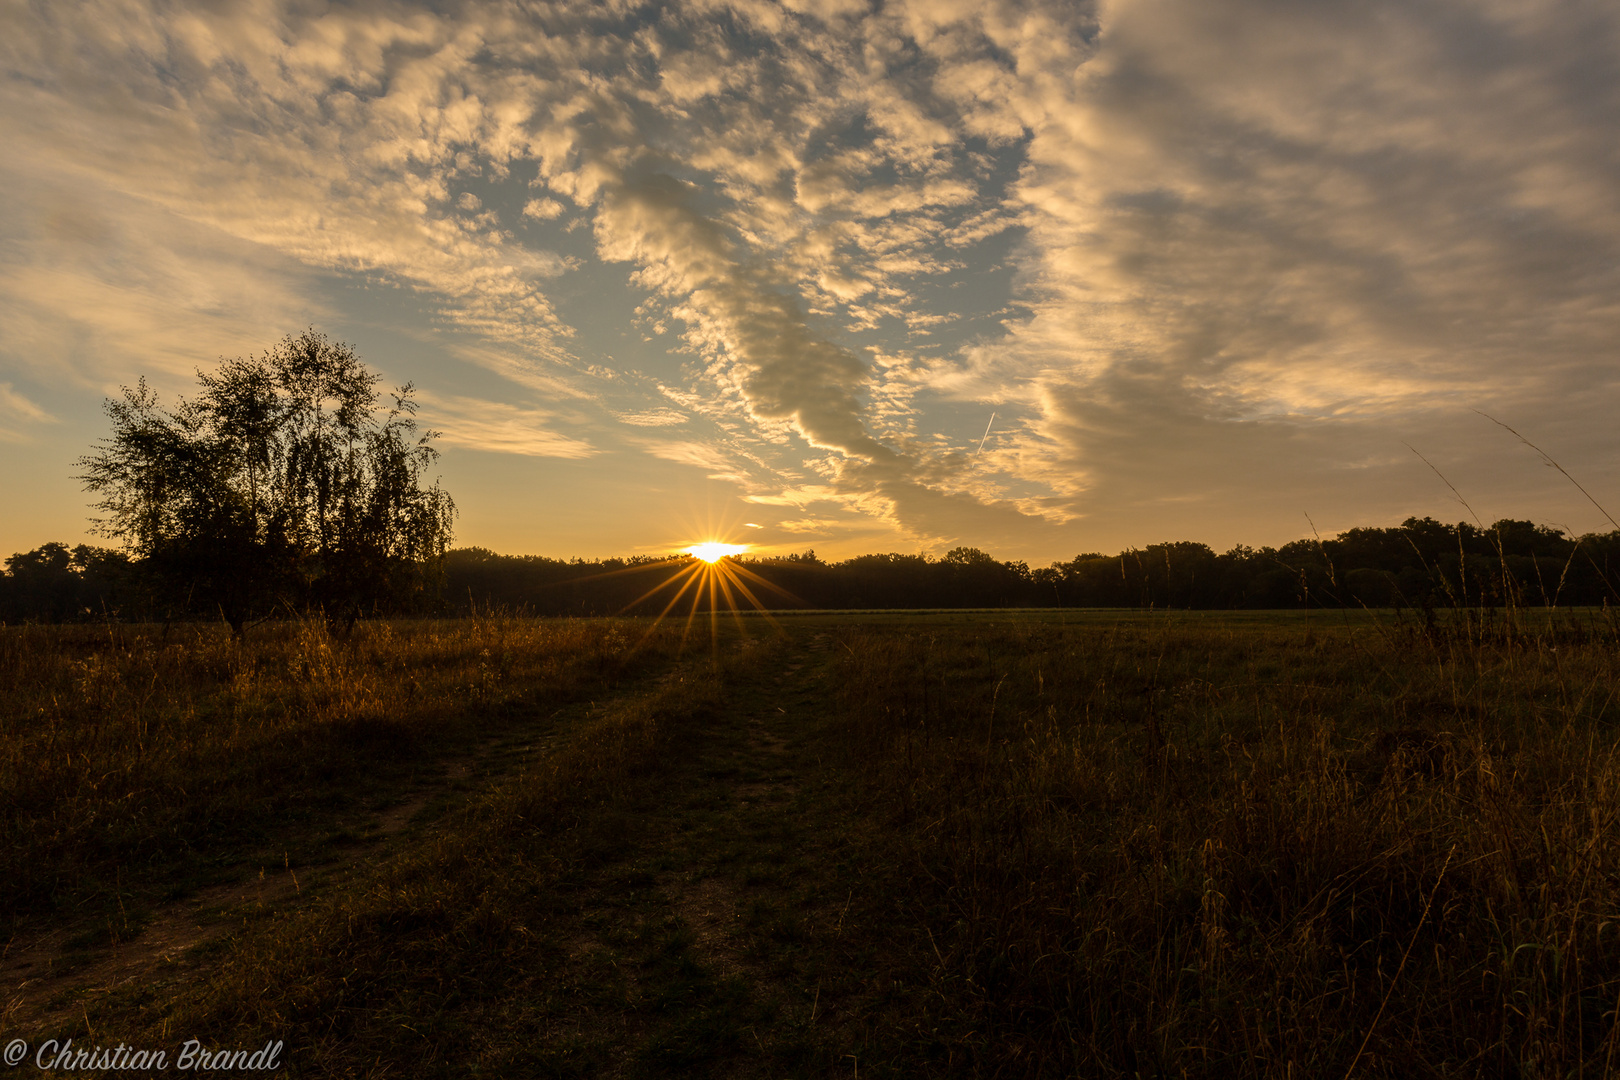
(713, 551)
(714, 581)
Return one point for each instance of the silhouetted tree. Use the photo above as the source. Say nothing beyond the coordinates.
(55, 583)
(283, 482)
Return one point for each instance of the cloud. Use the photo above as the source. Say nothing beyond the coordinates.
(97, 286)
(500, 428)
(1268, 240)
(812, 525)
(544, 209)
(17, 414)
(861, 190)
(339, 140)
(702, 455)
(1192, 253)
(375, 139)
(652, 418)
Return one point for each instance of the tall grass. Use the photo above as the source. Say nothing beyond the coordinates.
(1215, 848)
(401, 972)
(444, 958)
(1248, 846)
(130, 751)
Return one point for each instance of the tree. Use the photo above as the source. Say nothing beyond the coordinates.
(55, 583)
(282, 483)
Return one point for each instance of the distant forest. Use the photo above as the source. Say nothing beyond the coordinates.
(1421, 564)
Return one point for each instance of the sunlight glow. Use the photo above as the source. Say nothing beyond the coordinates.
(713, 583)
(713, 551)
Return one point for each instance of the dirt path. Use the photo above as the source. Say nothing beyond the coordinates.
(48, 971)
(715, 945)
(706, 923)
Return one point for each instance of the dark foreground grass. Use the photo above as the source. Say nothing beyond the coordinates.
(977, 845)
(518, 937)
(139, 759)
(1176, 847)
(429, 966)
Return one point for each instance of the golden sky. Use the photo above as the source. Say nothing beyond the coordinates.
(1037, 277)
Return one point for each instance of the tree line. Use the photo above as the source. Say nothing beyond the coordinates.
(1422, 563)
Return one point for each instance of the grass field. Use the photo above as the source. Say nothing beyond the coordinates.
(878, 844)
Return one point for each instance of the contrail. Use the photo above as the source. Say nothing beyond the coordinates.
(986, 432)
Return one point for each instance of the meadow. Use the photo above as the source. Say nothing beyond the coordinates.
(998, 843)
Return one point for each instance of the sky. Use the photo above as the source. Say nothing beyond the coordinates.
(1036, 277)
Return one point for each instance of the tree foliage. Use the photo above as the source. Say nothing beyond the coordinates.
(284, 482)
(56, 583)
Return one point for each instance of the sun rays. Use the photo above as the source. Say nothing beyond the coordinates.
(713, 578)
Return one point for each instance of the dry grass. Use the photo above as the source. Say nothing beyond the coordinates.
(135, 754)
(1221, 848)
(433, 962)
(1021, 845)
